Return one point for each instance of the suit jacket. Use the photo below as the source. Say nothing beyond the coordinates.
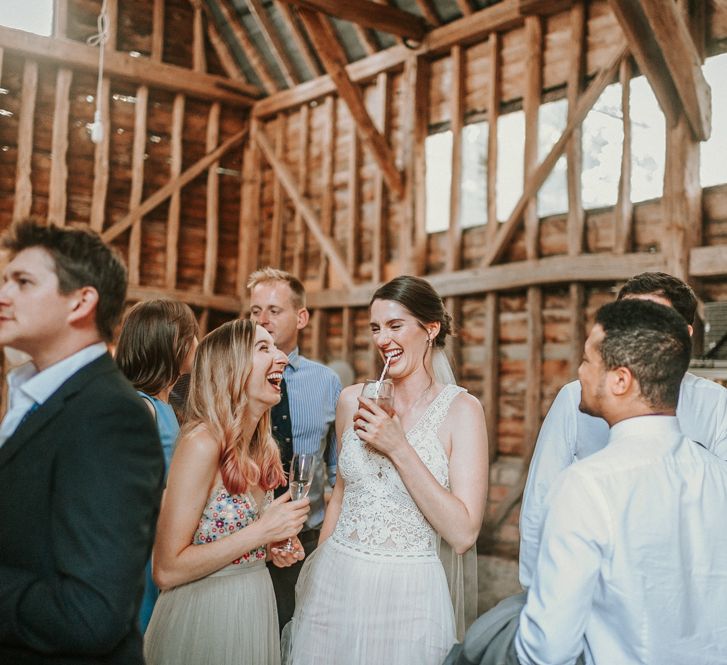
(80, 485)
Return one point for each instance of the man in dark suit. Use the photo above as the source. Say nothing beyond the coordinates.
(81, 466)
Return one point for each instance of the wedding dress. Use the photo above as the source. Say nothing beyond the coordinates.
(376, 591)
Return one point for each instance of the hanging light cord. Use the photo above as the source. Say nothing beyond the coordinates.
(99, 39)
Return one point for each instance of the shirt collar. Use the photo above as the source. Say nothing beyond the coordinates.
(294, 359)
(653, 427)
(39, 386)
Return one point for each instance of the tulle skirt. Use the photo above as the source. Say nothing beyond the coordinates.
(227, 618)
(357, 608)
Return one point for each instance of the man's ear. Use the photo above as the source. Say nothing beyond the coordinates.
(690, 329)
(620, 381)
(83, 303)
(303, 318)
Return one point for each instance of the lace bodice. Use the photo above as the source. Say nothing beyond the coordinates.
(226, 513)
(377, 513)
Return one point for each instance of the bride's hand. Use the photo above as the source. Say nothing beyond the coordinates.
(376, 427)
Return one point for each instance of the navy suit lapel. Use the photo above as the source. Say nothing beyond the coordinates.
(53, 405)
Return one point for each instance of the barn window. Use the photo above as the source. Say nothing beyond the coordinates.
(473, 188)
(510, 162)
(553, 195)
(438, 156)
(29, 15)
(712, 168)
(648, 142)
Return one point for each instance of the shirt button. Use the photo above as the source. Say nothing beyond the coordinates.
(287, 439)
(285, 417)
(275, 428)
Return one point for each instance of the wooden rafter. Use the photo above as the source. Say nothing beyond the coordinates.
(23, 199)
(248, 48)
(58, 166)
(222, 49)
(291, 23)
(585, 103)
(271, 37)
(172, 186)
(282, 172)
(664, 50)
(369, 14)
(465, 6)
(331, 53)
(142, 71)
(429, 11)
(647, 54)
(684, 63)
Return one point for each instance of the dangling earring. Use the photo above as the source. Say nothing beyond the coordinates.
(429, 341)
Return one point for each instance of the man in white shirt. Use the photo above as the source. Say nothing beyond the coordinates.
(568, 435)
(632, 563)
(81, 465)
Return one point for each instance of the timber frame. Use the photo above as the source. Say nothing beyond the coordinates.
(326, 177)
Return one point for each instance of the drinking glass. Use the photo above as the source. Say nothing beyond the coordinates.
(300, 479)
(380, 393)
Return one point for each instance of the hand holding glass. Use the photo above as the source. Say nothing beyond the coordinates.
(380, 393)
(302, 467)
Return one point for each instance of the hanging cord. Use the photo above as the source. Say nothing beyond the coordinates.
(99, 39)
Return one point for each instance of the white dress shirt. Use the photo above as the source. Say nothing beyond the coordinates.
(28, 387)
(568, 435)
(633, 556)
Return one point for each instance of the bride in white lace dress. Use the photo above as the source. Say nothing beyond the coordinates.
(375, 591)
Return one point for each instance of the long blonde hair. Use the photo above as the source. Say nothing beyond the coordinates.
(218, 400)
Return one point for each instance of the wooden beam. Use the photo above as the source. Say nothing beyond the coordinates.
(173, 214)
(586, 102)
(101, 161)
(684, 63)
(576, 307)
(137, 181)
(534, 367)
(157, 32)
(304, 48)
(142, 71)
(354, 204)
(454, 232)
(212, 221)
(591, 268)
(491, 371)
(195, 298)
(298, 224)
(57, 196)
(331, 53)
(544, 7)
(418, 71)
(531, 103)
(378, 249)
(708, 261)
(276, 231)
(309, 215)
(60, 18)
(222, 49)
(493, 113)
(328, 159)
(199, 57)
(23, 199)
(172, 186)
(624, 210)
(500, 16)
(574, 149)
(429, 12)
(272, 39)
(369, 14)
(465, 7)
(231, 18)
(249, 212)
(648, 55)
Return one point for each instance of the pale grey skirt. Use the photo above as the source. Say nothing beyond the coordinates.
(227, 618)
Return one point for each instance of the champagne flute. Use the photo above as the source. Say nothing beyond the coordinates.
(300, 479)
(381, 393)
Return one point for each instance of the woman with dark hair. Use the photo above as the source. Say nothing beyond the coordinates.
(376, 591)
(217, 605)
(156, 344)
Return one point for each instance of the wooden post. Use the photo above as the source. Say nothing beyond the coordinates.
(378, 249)
(137, 181)
(213, 208)
(23, 185)
(175, 169)
(298, 224)
(57, 196)
(157, 35)
(101, 162)
(276, 232)
(199, 57)
(624, 210)
(354, 204)
(328, 151)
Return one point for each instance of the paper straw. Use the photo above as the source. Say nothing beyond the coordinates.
(383, 374)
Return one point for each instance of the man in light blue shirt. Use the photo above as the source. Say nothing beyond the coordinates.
(277, 302)
(568, 435)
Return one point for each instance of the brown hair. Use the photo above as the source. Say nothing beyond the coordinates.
(218, 400)
(155, 338)
(269, 274)
(81, 258)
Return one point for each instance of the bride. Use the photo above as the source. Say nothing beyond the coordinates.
(375, 591)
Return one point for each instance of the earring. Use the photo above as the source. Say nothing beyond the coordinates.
(429, 341)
